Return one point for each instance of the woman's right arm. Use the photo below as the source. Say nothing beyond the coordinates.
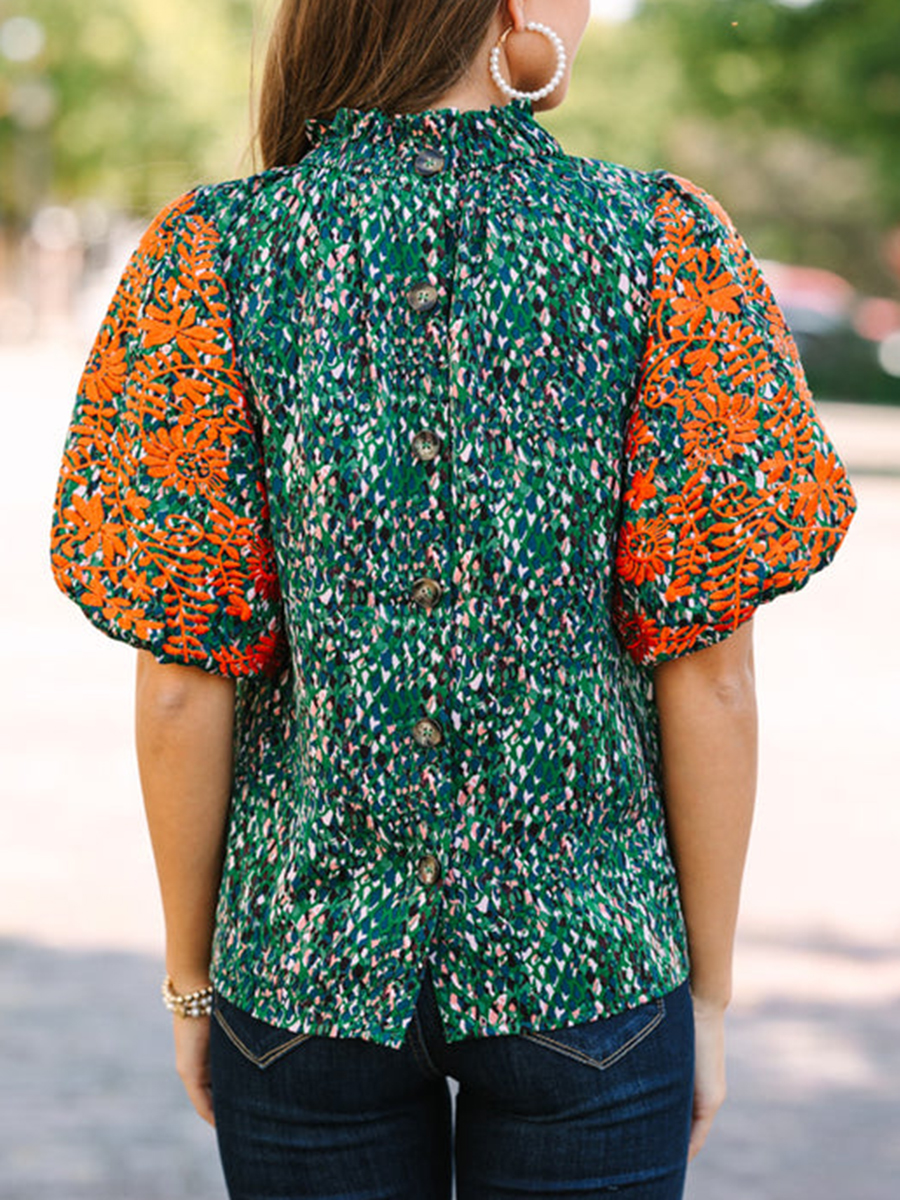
(708, 728)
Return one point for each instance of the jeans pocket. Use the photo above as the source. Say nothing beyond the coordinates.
(606, 1041)
(260, 1043)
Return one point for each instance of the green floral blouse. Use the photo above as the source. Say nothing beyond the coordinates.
(439, 441)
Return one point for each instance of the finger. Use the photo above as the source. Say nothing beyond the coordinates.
(192, 1063)
(197, 1085)
(200, 1095)
(705, 1112)
(699, 1132)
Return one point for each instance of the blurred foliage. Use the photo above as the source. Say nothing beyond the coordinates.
(789, 114)
(129, 103)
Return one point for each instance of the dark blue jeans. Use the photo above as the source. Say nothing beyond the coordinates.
(585, 1111)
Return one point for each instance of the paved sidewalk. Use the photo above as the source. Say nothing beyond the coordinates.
(90, 1107)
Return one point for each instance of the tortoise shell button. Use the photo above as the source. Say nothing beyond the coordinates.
(426, 445)
(426, 592)
(428, 732)
(429, 162)
(422, 297)
(428, 870)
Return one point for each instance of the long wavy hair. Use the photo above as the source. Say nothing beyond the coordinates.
(396, 55)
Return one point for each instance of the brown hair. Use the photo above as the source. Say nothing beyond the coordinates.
(396, 55)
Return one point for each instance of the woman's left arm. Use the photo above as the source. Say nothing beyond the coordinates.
(708, 725)
(184, 720)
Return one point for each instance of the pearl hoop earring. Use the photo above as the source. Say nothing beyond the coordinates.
(557, 44)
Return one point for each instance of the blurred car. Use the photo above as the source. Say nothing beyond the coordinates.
(850, 344)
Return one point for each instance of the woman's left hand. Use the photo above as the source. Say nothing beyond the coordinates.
(192, 1062)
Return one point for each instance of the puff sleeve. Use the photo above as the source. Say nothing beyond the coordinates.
(732, 492)
(160, 529)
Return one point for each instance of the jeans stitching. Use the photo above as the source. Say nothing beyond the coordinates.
(270, 1056)
(602, 1064)
(420, 1050)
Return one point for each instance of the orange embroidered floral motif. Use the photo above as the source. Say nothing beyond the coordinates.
(262, 568)
(187, 459)
(106, 381)
(637, 436)
(642, 487)
(815, 491)
(639, 634)
(643, 549)
(126, 616)
(753, 499)
(92, 530)
(171, 320)
(672, 643)
(719, 428)
(707, 287)
(268, 656)
(193, 395)
(166, 453)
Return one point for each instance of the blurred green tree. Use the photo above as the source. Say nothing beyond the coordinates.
(790, 111)
(129, 103)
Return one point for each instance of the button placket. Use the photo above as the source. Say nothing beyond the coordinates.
(423, 296)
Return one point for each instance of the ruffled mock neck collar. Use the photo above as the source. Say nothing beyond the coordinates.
(496, 133)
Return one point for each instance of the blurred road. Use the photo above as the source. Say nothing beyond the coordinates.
(90, 1108)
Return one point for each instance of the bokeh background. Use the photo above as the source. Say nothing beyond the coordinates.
(788, 111)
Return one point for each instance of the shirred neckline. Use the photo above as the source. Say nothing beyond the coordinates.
(496, 133)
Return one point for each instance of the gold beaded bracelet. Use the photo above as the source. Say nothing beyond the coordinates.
(192, 1004)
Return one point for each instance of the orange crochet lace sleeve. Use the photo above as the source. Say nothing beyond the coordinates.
(160, 526)
(732, 491)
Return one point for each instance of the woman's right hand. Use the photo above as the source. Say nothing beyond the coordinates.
(709, 1070)
(192, 1062)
